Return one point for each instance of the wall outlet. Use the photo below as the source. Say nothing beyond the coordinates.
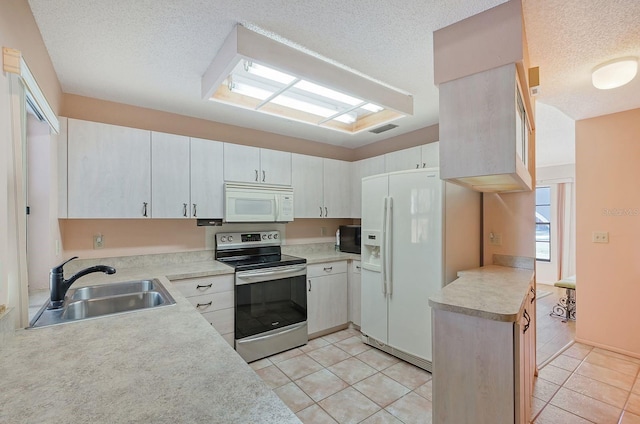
(600, 237)
(98, 241)
(495, 239)
(323, 231)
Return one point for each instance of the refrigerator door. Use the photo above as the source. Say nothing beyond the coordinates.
(373, 298)
(416, 242)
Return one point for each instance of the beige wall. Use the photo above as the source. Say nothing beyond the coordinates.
(512, 216)
(608, 199)
(18, 30)
(90, 109)
(127, 237)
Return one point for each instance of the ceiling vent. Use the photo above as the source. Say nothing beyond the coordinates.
(383, 128)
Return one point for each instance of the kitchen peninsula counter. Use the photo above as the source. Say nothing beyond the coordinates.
(492, 292)
(162, 365)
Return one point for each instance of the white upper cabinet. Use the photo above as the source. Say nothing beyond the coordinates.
(109, 171)
(275, 167)
(425, 156)
(490, 152)
(337, 177)
(169, 175)
(430, 154)
(359, 170)
(207, 179)
(256, 165)
(320, 187)
(307, 180)
(401, 160)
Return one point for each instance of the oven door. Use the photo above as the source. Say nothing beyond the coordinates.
(270, 299)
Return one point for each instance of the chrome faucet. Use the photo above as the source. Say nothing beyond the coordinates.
(59, 286)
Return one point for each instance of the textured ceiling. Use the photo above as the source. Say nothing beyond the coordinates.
(152, 53)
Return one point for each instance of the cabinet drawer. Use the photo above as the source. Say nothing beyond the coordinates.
(206, 285)
(318, 270)
(212, 302)
(221, 320)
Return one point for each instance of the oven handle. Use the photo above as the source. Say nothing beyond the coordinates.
(256, 276)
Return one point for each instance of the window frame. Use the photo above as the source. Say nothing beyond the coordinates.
(547, 224)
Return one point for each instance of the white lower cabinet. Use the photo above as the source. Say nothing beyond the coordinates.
(213, 298)
(355, 279)
(327, 294)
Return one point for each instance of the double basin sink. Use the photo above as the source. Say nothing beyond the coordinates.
(105, 299)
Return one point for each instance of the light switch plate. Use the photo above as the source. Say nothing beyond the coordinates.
(495, 239)
(600, 237)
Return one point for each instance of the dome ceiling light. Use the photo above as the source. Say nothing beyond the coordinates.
(614, 73)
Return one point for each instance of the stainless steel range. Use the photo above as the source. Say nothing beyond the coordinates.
(270, 293)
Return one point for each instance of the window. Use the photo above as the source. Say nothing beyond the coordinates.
(543, 224)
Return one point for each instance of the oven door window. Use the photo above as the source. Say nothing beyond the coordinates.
(267, 305)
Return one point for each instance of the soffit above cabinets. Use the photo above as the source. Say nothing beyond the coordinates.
(154, 57)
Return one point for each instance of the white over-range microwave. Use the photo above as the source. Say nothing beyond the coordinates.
(246, 202)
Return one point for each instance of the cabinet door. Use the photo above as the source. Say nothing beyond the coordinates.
(430, 155)
(359, 170)
(207, 179)
(306, 178)
(241, 163)
(326, 302)
(169, 175)
(109, 171)
(402, 160)
(336, 177)
(355, 292)
(275, 167)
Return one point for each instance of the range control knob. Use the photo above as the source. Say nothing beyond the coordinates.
(270, 236)
(275, 236)
(223, 238)
(264, 237)
(230, 238)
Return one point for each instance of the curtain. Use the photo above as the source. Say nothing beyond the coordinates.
(564, 226)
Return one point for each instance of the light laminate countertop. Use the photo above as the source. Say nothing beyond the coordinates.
(491, 292)
(162, 365)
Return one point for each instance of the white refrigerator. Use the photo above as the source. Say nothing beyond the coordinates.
(417, 233)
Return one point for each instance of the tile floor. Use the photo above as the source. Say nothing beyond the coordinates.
(339, 379)
(552, 334)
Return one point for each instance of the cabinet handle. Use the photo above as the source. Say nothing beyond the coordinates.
(320, 211)
(264, 176)
(326, 212)
(144, 209)
(200, 305)
(328, 268)
(309, 285)
(195, 210)
(533, 291)
(256, 175)
(358, 267)
(184, 210)
(424, 164)
(417, 165)
(528, 318)
(206, 286)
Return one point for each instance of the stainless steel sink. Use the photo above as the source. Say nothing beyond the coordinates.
(108, 290)
(104, 300)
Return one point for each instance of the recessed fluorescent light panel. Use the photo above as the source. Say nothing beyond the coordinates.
(257, 72)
